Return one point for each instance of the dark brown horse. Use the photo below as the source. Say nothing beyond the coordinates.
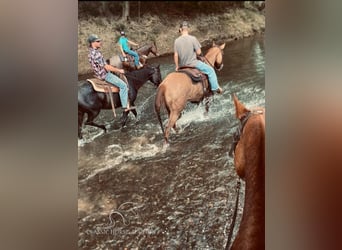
(91, 102)
(249, 160)
(143, 52)
(177, 89)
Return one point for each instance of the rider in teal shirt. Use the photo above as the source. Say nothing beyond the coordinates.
(124, 42)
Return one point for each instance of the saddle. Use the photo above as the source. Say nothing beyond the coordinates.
(127, 58)
(105, 87)
(196, 77)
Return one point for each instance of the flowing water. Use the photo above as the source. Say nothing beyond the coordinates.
(135, 194)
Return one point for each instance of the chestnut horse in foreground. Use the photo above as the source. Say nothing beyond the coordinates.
(249, 160)
(177, 89)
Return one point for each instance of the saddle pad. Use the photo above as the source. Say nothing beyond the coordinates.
(122, 59)
(102, 86)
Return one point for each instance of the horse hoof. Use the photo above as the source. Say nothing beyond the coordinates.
(166, 145)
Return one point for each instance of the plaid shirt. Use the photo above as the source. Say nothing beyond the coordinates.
(97, 63)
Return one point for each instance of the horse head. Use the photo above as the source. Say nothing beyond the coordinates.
(243, 153)
(147, 49)
(214, 56)
(154, 50)
(155, 78)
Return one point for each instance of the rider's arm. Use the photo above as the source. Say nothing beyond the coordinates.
(133, 43)
(109, 67)
(175, 57)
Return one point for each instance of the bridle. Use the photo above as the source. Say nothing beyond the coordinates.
(239, 129)
(238, 132)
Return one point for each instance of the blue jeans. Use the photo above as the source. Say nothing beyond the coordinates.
(135, 55)
(206, 69)
(123, 93)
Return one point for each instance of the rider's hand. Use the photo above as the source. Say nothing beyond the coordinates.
(177, 68)
(122, 71)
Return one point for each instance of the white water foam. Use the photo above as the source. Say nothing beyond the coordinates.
(86, 139)
(116, 154)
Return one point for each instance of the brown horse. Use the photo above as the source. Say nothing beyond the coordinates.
(249, 160)
(177, 89)
(143, 52)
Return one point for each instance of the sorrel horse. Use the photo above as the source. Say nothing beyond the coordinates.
(249, 160)
(91, 102)
(177, 89)
(143, 52)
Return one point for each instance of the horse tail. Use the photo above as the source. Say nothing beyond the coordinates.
(159, 102)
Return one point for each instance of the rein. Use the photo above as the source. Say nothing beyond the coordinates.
(138, 79)
(238, 184)
(236, 139)
(218, 69)
(134, 78)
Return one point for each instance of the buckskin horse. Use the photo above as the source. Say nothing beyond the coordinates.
(178, 88)
(91, 102)
(143, 52)
(249, 161)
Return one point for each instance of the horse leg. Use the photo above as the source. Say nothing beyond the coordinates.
(206, 106)
(134, 111)
(91, 117)
(124, 118)
(173, 117)
(175, 126)
(80, 121)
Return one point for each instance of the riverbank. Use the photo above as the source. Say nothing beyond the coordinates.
(232, 25)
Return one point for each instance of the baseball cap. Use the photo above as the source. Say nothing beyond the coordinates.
(184, 24)
(122, 33)
(92, 38)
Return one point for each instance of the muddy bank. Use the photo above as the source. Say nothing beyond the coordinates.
(232, 25)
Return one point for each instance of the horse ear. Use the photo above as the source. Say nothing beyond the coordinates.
(222, 46)
(240, 109)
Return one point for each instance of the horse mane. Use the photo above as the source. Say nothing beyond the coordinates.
(138, 73)
(146, 45)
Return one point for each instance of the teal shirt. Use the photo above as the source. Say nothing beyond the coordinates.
(123, 41)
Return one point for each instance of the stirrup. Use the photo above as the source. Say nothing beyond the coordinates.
(130, 108)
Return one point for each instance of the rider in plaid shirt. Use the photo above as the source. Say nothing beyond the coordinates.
(103, 70)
